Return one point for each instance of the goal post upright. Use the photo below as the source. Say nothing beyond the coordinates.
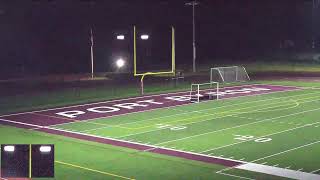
(142, 75)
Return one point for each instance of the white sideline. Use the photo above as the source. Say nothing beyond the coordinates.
(276, 171)
(123, 99)
(180, 105)
(287, 115)
(267, 135)
(144, 144)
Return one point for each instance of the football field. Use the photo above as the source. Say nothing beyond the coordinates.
(260, 128)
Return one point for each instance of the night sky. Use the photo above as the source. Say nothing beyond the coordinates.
(46, 37)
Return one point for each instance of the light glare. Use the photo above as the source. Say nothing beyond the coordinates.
(120, 37)
(45, 149)
(120, 63)
(144, 37)
(9, 148)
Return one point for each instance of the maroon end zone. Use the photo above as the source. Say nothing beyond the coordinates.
(41, 120)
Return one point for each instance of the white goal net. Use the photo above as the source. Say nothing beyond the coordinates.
(204, 91)
(229, 74)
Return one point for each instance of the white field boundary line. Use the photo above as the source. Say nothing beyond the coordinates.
(289, 150)
(170, 107)
(234, 176)
(220, 118)
(116, 100)
(205, 109)
(206, 115)
(129, 142)
(220, 130)
(267, 135)
(143, 144)
(179, 150)
(315, 171)
(277, 171)
(276, 154)
(21, 123)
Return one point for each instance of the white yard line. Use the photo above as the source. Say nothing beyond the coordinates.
(143, 144)
(317, 170)
(289, 150)
(280, 132)
(169, 107)
(198, 111)
(124, 99)
(235, 176)
(270, 119)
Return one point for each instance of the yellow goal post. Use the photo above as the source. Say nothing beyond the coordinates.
(142, 75)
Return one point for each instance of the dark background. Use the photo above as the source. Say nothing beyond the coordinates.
(52, 37)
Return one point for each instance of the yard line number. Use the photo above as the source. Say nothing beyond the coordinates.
(171, 127)
(251, 138)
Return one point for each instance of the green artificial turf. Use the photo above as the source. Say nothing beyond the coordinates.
(108, 159)
(275, 123)
(287, 121)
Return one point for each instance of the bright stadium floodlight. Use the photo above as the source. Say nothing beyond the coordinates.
(120, 63)
(145, 37)
(120, 37)
(8, 148)
(45, 149)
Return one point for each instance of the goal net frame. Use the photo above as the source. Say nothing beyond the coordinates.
(196, 88)
(236, 69)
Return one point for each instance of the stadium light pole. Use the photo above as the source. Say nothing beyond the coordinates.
(193, 4)
(91, 50)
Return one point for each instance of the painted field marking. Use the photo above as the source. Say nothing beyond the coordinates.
(151, 146)
(276, 171)
(188, 137)
(234, 176)
(94, 170)
(317, 170)
(188, 112)
(276, 133)
(235, 110)
(289, 150)
(170, 107)
(21, 123)
(125, 99)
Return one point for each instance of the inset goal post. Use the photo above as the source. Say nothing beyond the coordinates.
(229, 74)
(204, 91)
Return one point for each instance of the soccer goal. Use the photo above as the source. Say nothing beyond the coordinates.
(204, 91)
(229, 74)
